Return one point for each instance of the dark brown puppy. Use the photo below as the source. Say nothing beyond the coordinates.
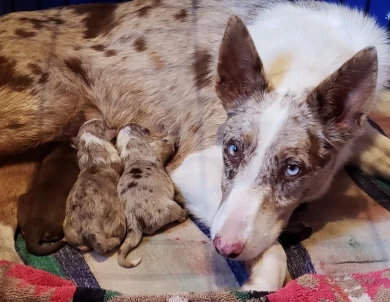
(41, 211)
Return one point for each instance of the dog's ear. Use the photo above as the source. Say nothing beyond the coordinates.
(345, 97)
(240, 71)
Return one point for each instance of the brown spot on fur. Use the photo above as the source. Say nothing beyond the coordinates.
(137, 176)
(317, 156)
(156, 60)
(98, 47)
(15, 125)
(9, 77)
(201, 68)
(36, 23)
(75, 65)
(35, 69)
(140, 44)
(98, 19)
(135, 171)
(24, 33)
(44, 78)
(110, 53)
(56, 21)
(143, 11)
(181, 15)
(132, 185)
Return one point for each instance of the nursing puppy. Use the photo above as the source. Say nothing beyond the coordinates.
(94, 214)
(145, 188)
(41, 211)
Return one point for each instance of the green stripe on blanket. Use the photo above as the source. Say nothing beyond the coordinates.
(47, 263)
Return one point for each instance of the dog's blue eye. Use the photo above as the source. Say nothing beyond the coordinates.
(292, 170)
(233, 150)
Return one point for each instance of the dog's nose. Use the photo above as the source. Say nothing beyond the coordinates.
(227, 249)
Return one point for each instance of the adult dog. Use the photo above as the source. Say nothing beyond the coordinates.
(270, 130)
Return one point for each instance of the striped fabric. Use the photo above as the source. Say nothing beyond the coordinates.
(182, 259)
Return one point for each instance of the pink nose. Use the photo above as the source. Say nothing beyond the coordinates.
(227, 249)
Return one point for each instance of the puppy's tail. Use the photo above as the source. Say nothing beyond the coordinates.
(133, 238)
(35, 248)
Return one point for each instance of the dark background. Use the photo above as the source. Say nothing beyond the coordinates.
(377, 8)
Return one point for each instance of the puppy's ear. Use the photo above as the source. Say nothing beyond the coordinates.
(139, 129)
(344, 99)
(144, 131)
(240, 72)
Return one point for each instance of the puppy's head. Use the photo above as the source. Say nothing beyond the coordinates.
(164, 148)
(130, 133)
(97, 128)
(280, 148)
(94, 145)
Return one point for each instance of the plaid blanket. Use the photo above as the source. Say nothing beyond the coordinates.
(22, 283)
(350, 235)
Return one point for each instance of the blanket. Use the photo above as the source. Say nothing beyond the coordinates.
(19, 283)
(350, 235)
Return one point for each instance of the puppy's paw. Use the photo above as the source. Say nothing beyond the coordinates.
(185, 216)
(83, 248)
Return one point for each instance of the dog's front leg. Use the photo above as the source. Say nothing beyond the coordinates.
(268, 271)
(371, 152)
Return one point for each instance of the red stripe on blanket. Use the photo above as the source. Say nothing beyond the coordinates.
(62, 290)
(372, 282)
(310, 288)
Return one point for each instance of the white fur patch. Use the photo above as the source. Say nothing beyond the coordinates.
(268, 271)
(91, 139)
(121, 142)
(242, 205)
(199, 180)
(310, 42)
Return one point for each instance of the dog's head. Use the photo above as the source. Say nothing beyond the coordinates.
(280, 148)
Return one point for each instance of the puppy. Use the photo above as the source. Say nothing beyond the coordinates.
(145, 188)
(41, 211)
(94, 215)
